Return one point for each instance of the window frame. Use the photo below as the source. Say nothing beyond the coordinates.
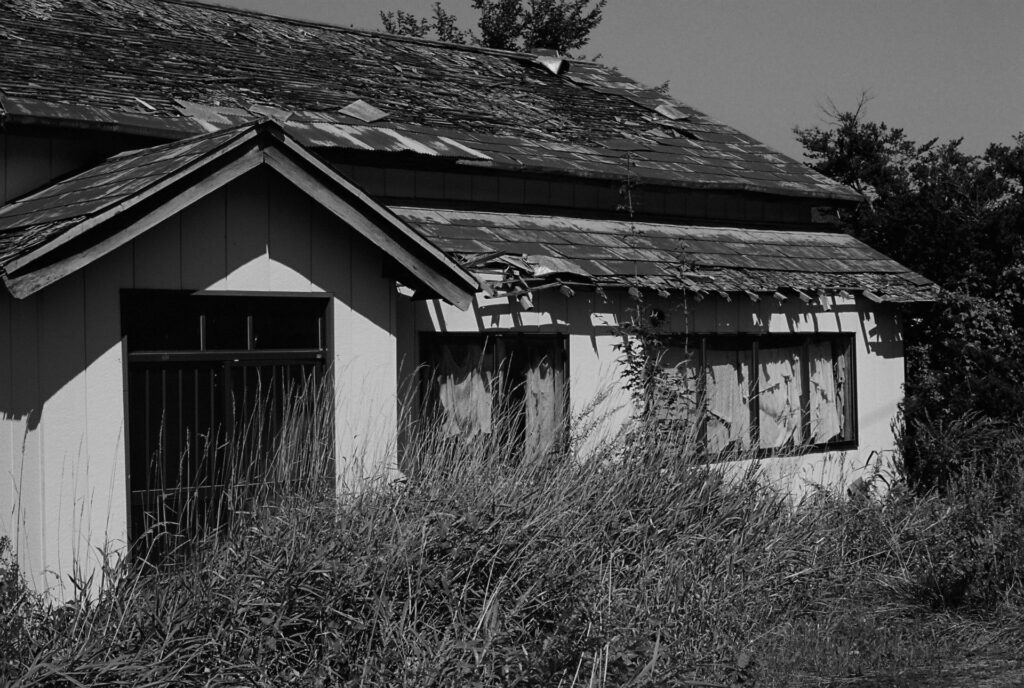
(138, 305)
(752, 344)
(429, 342)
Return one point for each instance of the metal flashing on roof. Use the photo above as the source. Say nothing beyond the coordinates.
(553, 64)
(671, 111)
(363, 111)
(226, 116)
(275, 113)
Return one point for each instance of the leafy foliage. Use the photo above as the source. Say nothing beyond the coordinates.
(522, 25)
(959, 220)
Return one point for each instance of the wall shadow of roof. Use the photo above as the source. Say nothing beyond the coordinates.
(174, 68)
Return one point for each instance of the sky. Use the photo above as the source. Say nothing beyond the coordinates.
(936, 68)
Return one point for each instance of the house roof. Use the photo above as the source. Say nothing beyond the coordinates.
(65, 226)
(665, 256)
(172, 68)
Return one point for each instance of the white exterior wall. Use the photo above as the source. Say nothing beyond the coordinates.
(62, 391)
(595, 375)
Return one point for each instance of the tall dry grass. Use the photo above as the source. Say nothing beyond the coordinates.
(636, 565)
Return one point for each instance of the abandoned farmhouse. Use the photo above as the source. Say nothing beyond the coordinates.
(199, 201)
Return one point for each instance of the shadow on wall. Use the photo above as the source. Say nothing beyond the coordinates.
(883, 337)
(56, 334)
(881, 328)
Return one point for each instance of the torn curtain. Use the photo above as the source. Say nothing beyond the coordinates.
(728, 399)
(826, 378)
(464, 390)
(780, 388)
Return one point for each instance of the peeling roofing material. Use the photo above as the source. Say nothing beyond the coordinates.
(175, 68)
(133, 185)
(46, 215)
(672, 257)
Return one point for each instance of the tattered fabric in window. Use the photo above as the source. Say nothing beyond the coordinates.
(464, 390)
(779, 390)
(675, 402)
(826, 402)
(728, 399)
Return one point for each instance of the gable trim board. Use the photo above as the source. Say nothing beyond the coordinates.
(82, 240)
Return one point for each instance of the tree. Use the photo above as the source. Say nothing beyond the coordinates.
(959, 220)
(522, 25)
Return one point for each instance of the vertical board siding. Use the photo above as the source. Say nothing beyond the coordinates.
(28, 535)
(158, 256)
(596, 398)
(727, 314)
(62, 416)
(64, 428)
(246, 218)
(371, 382)
(705, 315)
(7, 472)
(3, 168)
(332, 271)
(68, 155)
(203, 251)
(104, 389)
(289, 243)
(28, 164)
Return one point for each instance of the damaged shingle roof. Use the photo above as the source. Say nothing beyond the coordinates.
(46, 215)
(74, 221)
(669, 256)
(173, 68)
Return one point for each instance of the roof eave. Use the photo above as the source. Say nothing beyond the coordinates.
(256, 144)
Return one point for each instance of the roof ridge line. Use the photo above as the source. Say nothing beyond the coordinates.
(370, 32)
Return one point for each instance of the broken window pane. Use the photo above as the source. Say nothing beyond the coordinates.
(780, 388)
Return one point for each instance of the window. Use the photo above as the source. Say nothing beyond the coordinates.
(215, 385)
(773, 394)
(487, 384)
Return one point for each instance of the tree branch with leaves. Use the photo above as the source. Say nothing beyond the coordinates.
(520, 25)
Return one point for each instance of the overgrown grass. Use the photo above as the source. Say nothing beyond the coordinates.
(632, 566)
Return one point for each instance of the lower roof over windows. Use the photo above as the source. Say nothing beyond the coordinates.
(709, 259)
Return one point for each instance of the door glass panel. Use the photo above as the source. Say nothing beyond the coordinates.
(226, 324)
(292, 324)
